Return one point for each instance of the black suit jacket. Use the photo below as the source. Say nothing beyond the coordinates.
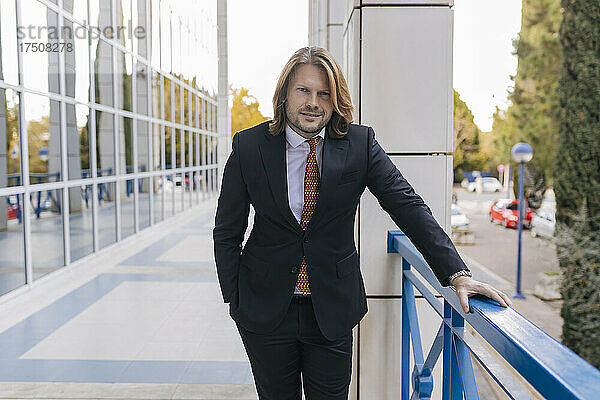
(259, 280)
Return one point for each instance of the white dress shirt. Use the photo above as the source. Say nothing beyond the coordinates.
(296, 153)
(297, 149)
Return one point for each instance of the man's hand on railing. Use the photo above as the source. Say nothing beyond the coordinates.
(467, 287)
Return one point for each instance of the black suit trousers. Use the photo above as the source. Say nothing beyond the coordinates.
(297, 354)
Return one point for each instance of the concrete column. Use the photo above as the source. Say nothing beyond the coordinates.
(223, 111)
(397, 57)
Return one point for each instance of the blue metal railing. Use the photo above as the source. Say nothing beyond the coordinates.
(550, 368)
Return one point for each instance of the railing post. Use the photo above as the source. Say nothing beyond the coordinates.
(405, 382)
(447, 353)
(457, 388)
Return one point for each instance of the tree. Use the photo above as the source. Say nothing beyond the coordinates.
(577, 177)
(244, 112)
(468, 154)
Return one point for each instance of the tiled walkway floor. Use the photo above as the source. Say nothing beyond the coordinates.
(143, 320)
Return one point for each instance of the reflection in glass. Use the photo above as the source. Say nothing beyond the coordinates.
(107, 232)
(77, 8)
(165, 36)
(12, 252)
(77, 64)
(178, 148)
(105, 143)
(142, 146)
(125, 23)
(10, 153)
(169, 148)
(155, 44)
(9, 69)
(78, 141)
(42, 118)
(126, 145)
(144, 203)
(156, 102)
(156, 147)
(158, 198)
(176, 27)
(127, 209)
(102, 57)
(179, 192)
(47, 251)
(141, 88)
(168, 95)
(124, 70)
(177, 104)
(80, 221)
(40, 68)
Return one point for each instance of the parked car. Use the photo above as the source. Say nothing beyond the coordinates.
(543, 223)
(458, 220)
(485, 184)
(505, 211)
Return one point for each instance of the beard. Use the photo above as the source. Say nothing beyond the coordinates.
(307, 130)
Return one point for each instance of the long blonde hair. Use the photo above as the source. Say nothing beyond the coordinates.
(340, 95)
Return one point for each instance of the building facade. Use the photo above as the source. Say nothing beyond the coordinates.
(397, 59)
(108, 123)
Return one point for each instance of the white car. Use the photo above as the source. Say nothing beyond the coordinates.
(487, 184)
(542, 223)
(458, 220)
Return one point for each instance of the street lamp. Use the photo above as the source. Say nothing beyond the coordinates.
(521, 153)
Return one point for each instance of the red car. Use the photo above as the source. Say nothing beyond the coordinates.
(506, 212)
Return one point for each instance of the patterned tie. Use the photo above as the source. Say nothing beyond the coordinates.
(312, 182)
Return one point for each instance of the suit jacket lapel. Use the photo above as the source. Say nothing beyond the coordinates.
(334, 158)
(272, 151)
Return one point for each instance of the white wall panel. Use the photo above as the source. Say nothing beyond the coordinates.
(352, 59)
(380, 348)
(430, 177)
(406, 77)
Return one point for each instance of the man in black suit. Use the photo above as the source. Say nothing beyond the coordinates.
(295, 289)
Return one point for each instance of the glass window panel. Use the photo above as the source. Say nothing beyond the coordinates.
(107, 232)
(76, 7)
(123, 76)
(170, 193)
(179, 192)
(194, 111)
(138, 27)
(197, 159)
(178, 148)
(81, 230)
(189, 141)
(156, 100)
(176, 29)
(189, 188)
(124, 29)
(42, 118)
(40, 67)
(144, 203)
(126, 145)
(47, 248)
(156, 147)
(168, 95)
(77, 64)
(177, 104)
(9, 68)
(159, 191)
(10, 153)
(186, 107)
(165, 36)
(105, 143)
(78, 141)
(169, 148)
(155, 21)
(142, 146)
(102, 56)
(12, 244)
(127, 209)
(100, 15)
(141, 88)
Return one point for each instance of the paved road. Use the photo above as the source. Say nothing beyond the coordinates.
(496, 247)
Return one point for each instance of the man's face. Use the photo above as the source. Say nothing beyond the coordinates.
(308, 107)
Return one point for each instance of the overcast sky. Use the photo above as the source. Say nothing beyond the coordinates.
(264, 33)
